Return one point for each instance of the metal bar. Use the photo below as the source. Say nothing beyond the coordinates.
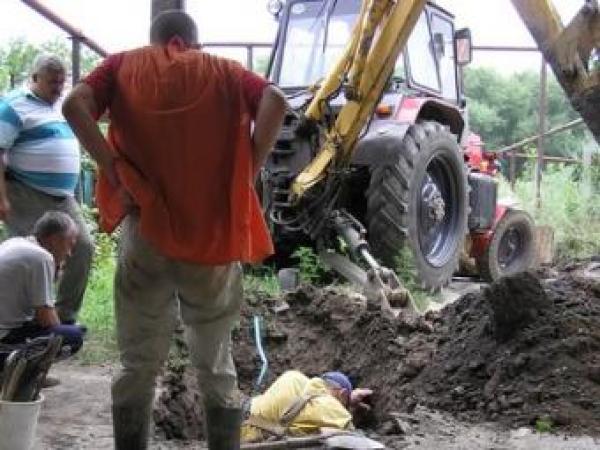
(542, 129)
(66, 26)
(558, 129)
(250, 58)
(558, 159)
(504, 48)
(512, 171)
(237, 44)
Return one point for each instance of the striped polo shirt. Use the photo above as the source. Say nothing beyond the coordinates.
(41, 150)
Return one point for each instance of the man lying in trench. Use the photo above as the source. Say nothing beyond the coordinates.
(296, 405)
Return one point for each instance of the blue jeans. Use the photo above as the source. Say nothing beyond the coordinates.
(72, 337)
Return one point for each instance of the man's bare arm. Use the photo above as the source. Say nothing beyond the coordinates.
(269, 118)
(79, 109)
(4, 203)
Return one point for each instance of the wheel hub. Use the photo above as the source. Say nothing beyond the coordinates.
(435, 207)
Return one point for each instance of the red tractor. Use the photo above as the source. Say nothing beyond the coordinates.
(417, 180)
(505, 244)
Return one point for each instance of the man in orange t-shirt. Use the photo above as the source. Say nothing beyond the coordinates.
(178, 174)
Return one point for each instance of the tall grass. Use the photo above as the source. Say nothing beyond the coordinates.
(97, 312)
(568, 204)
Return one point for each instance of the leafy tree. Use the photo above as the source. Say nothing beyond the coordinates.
(505, 109)
(17, 56)
(15, 59)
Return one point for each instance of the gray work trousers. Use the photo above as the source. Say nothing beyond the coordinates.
(151, 290)
(27, 206)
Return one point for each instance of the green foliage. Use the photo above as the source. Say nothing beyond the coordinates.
(261, 280)
(504, 110)
(311, 268)
(97, 311)
(17, 56)
(16, 59)
(407, 273)
(569, 204)
(544, 425)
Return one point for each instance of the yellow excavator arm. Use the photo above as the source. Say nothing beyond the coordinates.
(381, 32)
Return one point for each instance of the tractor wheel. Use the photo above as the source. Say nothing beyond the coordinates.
(511, 248)
(421, 201)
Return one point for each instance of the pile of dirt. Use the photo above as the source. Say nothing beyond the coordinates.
(522, 350)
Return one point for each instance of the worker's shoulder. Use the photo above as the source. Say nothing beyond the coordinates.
(221, 63)
(294, 375)
(24, 249)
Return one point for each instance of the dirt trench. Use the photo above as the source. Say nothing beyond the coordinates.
(524, 350)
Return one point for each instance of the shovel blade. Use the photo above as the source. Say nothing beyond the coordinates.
(351, 441)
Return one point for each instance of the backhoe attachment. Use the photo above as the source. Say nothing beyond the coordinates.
(380, 285)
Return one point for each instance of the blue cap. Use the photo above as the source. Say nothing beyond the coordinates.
(338, 378)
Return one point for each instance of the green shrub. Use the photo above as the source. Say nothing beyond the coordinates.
(261, 280)
(569, 206)
(97, 312)
(311, 267)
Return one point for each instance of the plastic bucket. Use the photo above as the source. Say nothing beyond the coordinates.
(18, 424)
(289, 279)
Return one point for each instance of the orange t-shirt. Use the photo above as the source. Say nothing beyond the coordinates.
(180, 126)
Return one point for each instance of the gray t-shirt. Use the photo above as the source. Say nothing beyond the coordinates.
(26, 276)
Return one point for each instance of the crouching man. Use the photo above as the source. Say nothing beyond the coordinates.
(296, 405)
(28, 268)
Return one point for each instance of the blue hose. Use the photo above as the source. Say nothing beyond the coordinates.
(261, 353)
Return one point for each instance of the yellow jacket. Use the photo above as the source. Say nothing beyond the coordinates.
(321, 411)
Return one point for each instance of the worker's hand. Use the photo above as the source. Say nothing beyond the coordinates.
(358, 398)
(4, 207)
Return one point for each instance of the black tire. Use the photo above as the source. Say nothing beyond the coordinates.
(398, 214)
(511, 249)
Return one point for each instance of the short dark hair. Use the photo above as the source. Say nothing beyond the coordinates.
(171, 23)
(52, 223)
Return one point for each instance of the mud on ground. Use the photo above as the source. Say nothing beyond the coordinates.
(524, 350)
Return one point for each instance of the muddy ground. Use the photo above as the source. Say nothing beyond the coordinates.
(521, 352)
(76, 415)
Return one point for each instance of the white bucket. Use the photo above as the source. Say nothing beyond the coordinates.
(18, 423)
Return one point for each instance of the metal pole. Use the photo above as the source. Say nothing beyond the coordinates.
(542, 130)
(75, 75)
(512, 171)
(250, 57)
(75, 59)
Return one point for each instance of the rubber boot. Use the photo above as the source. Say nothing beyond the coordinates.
(130, 428)
(223, 426)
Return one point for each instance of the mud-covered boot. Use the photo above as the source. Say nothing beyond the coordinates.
(130, 428)
(223, 428)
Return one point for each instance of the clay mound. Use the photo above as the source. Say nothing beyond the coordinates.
(519, 351)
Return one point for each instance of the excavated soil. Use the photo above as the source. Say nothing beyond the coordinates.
(523, 350)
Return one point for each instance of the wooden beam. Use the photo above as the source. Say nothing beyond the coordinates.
(559, 45)
(567, 126)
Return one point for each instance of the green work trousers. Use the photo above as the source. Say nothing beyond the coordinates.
(151, 292)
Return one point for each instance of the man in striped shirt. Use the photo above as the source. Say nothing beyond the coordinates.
(39, 169)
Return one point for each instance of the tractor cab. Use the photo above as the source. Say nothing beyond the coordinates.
(313, 34)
